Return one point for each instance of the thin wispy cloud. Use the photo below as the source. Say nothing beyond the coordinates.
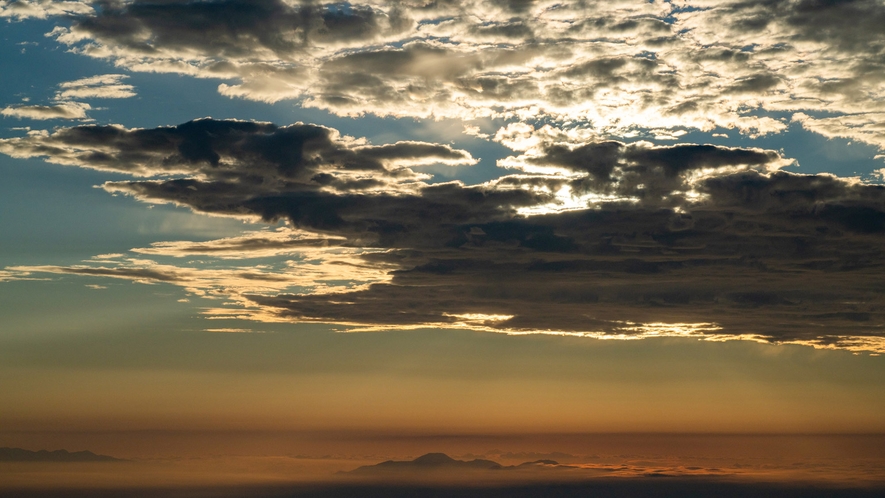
(60, 110)
(105, 86)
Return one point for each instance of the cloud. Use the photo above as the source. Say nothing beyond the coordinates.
(639, 172)
(260, 244)
(234, 28)
(61, 110)
(269, 44)
(615, 67)
(829, 54)
(802, 265)
(105, 86)
(318, 269)
(866, 127)
(41, 9)
(239, 155)
(599, 239)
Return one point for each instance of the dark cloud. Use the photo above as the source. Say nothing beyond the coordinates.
(792, 271)
(680, 158)
(600, 158)
(251, 156)
(505, 30)
(652, 175)
(232, 28)
(755, 84)
(418, 218)
(514, 5)
(725, 246)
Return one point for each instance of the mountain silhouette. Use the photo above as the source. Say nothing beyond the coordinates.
(441, 461)
(21, 455)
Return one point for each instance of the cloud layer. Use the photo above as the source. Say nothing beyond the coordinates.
(616, 67)
(603, 239)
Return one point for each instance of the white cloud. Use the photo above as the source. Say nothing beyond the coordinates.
(41, 9)
(105, 86)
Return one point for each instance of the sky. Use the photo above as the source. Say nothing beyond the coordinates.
(330, 231)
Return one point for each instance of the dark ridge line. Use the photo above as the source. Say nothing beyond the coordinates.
(23, 455)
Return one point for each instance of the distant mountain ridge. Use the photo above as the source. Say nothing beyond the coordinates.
(441, 461)
(22, 455)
